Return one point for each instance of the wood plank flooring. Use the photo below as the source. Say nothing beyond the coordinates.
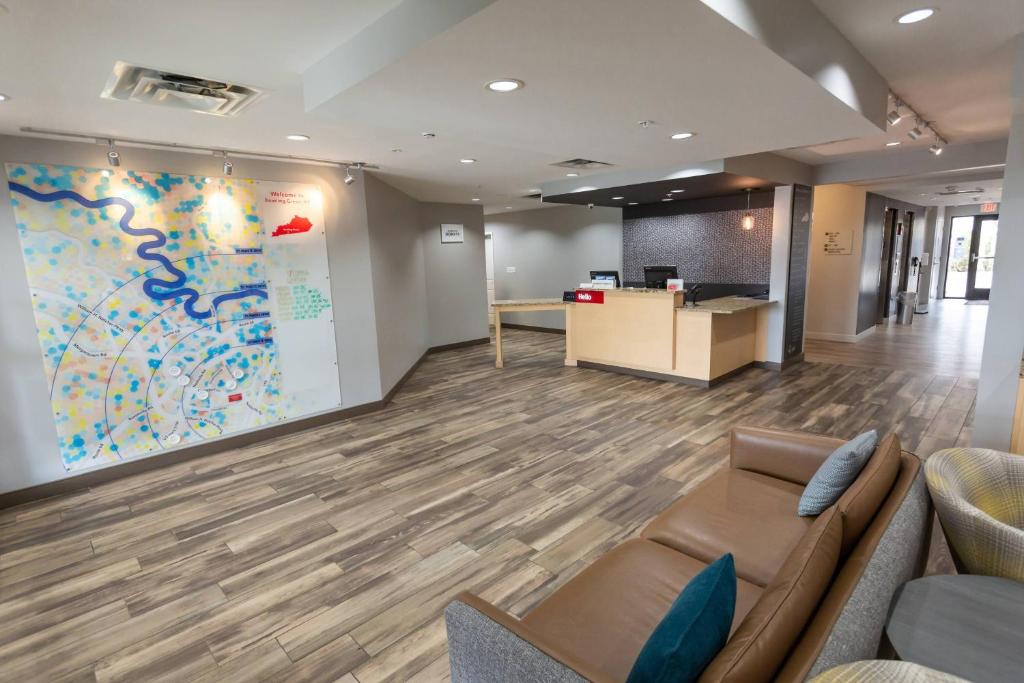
(329, 555)
(947, 340)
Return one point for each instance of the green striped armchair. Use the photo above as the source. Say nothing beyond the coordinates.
(979, 496)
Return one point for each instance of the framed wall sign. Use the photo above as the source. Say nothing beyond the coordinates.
(838, 242)
(452, 233)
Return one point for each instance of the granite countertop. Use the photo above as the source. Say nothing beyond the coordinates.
(727, 305)
(508, 303)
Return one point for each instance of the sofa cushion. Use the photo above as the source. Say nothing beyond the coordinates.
(862, 500)
(606, 613)
(694, 629)
(836, 474)
(750, 515)
(759, 646)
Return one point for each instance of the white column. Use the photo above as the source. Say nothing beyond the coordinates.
(1004, 333)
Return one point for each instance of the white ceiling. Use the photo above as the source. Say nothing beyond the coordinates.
(953, 68)
(935, 191)
(593, 69)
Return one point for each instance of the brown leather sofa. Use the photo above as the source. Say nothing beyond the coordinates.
(812, 593)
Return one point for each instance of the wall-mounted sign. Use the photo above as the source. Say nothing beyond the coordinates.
(989, 207)
(838, 242)
(451, 233)
(589, 296)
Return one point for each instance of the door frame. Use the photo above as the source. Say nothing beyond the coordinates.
(971, 292)
(885, 266)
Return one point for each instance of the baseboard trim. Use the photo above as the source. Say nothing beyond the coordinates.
(844, 338)
(534, 328)
(126, 469)
(458, 345)
(665, 377)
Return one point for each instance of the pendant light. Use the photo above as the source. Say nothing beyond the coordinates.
(748, 218)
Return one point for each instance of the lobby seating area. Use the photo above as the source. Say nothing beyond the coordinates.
(805, 585)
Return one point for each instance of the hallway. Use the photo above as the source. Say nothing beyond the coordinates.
(946, 341)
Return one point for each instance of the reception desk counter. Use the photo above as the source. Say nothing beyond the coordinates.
(650, 332)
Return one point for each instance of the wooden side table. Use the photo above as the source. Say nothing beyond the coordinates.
(523, 306)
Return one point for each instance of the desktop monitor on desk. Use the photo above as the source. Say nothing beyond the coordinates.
(656, 277)
(605, 276)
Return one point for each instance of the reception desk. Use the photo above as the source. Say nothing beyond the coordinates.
(650, 332)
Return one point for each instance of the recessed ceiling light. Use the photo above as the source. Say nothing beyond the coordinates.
(508, 207)
(572, 175)
(505, 85)
(667, 199)
(915, 16)
(682, 136)
(467, 161)
(397, 149)
(476, 199)
(3, 97)
(297, 137)
(894, 143)
(632, 204)
(617, 198)
(676, 191)
(428, 135)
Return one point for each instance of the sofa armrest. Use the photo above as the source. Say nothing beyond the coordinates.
(792, 456)
(487, 645)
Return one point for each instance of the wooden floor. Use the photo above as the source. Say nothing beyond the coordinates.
(330, 554)
(948, 339)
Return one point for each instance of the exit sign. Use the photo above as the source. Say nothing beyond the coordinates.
(989, 207)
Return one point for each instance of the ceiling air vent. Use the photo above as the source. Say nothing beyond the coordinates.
(582, 163)
(131, 83)
(953, 190)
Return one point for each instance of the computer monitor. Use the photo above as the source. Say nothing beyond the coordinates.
(605, 275)
(655, 277)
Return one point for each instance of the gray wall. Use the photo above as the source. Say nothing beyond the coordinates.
(379, 282)
(455, 274)
(702, 239)
(399, 274)
(552, 250)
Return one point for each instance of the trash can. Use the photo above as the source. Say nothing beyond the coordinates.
(906, 304)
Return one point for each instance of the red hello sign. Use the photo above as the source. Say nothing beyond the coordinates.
(589, 296)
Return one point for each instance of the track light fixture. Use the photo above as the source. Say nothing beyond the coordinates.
(935, 149)
(113, 156)
(228, 166)
(894, 117)
(915, 133)
(348, 176)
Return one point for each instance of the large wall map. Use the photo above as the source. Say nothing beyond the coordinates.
(172, 309)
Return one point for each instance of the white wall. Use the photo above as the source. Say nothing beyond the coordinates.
(1004, 331)
(834, 283)
(551, 250)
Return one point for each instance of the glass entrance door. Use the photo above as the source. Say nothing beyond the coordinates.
(983, 255)
(972, 250)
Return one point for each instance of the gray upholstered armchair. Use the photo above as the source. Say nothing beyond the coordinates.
(979, 495)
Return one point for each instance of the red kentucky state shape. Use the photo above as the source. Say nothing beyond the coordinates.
(296, 225)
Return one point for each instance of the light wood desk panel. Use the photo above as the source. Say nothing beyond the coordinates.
(631, 328)
(649, 331)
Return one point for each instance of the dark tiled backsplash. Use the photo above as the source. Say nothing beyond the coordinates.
(705, 247)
